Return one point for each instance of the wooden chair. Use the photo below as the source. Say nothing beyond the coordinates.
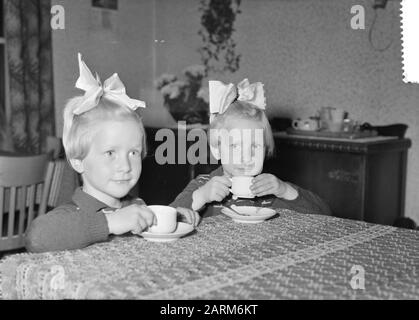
(64, 178)
(20, 178)
(58, 168)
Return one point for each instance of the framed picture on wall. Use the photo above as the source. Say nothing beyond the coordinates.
(105, 4)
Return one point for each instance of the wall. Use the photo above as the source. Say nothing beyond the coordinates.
(110, 41)
(303, 50)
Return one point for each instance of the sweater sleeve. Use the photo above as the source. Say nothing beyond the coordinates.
(66, 228)
(306, 202)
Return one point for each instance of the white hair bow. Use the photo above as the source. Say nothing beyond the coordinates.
(112, 88)
(222, 95)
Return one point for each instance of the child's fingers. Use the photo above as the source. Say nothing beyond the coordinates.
(221, 187)
(263, 193)
(263, 177)
(136, 229)
(193, 217)
(149, 218)
(258, 185)
(189, 215)
(218, 197)
(140, 226)
(260, 177)
(219, 191)
(226, 181)
(144, 223)
(221, 194)
(223, 180)
(263, 189)
(196, 218)
(265, 180)
(147, 215)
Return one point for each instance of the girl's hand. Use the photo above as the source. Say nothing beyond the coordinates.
(190, 216)
(135, 218)
(216, 189)
(266, 183)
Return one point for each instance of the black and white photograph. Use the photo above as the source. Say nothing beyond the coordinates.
(231, 152)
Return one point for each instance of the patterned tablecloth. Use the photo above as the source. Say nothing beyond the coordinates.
(291, 256)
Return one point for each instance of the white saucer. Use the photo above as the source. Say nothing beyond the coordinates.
(182, 230)
(250, 214)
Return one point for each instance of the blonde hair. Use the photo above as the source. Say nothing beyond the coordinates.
(247, 111)
(79, 130)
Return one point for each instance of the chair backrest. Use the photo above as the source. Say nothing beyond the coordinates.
(20, 178)
(58, 167)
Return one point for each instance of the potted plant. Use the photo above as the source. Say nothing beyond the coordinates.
(186, 99)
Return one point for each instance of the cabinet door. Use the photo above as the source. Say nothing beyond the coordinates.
(338, 178)
(160, 184)
(384, 200)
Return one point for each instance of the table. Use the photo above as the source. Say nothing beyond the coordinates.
(291, 256)
(363, 179)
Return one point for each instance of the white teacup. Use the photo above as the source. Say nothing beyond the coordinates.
(306, 124)
(166, 219)
(240, 186)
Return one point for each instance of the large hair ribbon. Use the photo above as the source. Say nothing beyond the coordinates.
(222, 95)
(113, 89)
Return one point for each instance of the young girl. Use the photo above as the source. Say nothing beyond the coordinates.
(241, 110)
(104, 141)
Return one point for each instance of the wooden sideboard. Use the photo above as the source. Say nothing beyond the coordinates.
(361, 179)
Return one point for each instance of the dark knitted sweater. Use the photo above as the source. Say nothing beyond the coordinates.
(72, 226)
(306, 202)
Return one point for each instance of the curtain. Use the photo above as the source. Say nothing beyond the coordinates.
(29, 55)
